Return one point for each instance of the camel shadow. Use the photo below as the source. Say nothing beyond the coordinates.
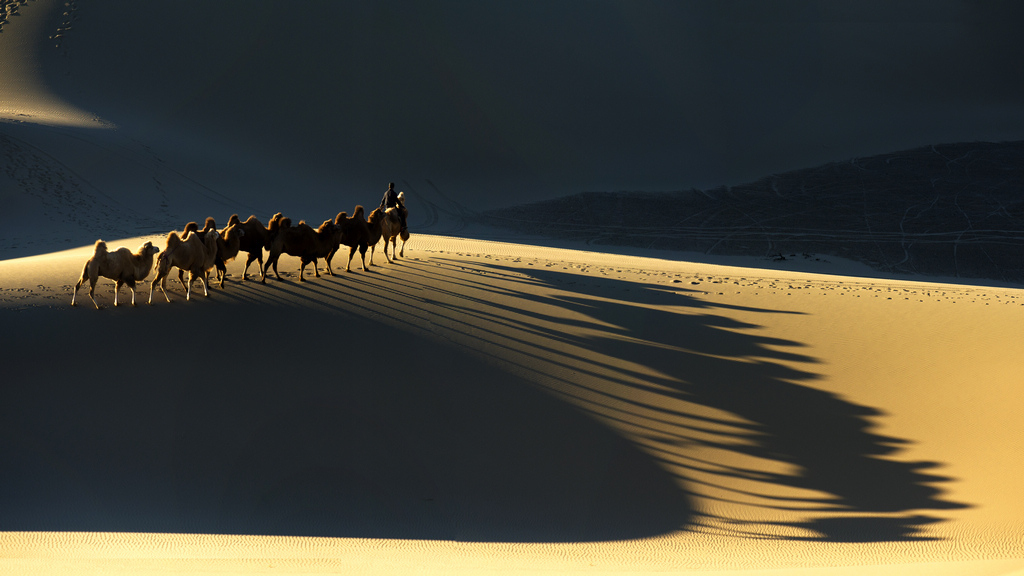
(440, 400)
(666, 342)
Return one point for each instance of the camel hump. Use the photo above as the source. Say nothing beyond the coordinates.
(172, 239)
(234, 220)
(101, 247)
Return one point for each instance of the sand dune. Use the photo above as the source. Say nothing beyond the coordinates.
(480, 406)
(497, 406)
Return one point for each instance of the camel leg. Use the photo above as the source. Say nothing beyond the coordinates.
(75, 293)
(351, 253)
(403, 248)
(316, 270)
(222, 273)
(327, 264)
(162, 281)
(372, 250)
(131, 286)
(271, 263)
(362, 256)
(117, 289)
(249, 261)
(181, 278)
(92, 289)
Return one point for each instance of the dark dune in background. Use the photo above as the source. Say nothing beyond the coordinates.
(311, 108)
(500, 105)
(953, 211)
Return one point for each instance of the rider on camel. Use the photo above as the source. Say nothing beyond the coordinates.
(392, 199)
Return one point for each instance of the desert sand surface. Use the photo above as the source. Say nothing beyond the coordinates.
(495, 401)
(493, 407)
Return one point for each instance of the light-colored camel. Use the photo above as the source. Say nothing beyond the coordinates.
(196, 253)
(391, 230)
(121, 266)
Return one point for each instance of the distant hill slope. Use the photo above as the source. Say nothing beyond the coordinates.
(954, 210)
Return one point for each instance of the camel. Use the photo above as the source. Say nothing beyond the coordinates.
(304, 242)
(210, 224)
(254, 241)
(229, 242)
(121, 266)
(373, 223)
(196, 252)
(355, 233)
(391, 229)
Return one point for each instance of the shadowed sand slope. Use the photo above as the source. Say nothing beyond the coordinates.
(646, 414)
(243, 418)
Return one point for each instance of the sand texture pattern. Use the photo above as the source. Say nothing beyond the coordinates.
(482, 405)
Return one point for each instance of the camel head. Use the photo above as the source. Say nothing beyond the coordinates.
(163, 262)
(147, 249)
(232, 231)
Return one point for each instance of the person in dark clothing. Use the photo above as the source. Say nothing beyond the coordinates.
(392, 199)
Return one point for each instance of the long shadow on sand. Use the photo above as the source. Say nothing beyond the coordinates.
(706, 358)
(540, 407)
(203, 417)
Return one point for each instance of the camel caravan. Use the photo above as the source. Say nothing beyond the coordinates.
(202, 251)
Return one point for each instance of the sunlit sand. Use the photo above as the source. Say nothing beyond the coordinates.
(547, 409)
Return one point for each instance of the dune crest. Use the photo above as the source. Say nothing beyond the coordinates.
(26, 41)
